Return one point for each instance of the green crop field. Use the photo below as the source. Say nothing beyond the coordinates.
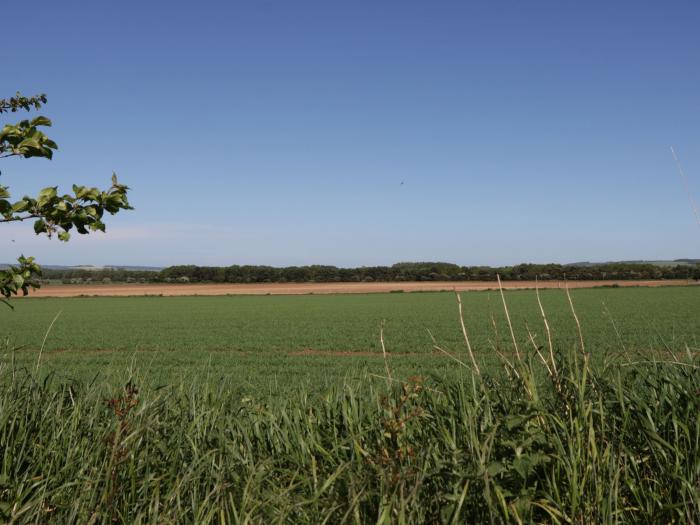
(278, 409)
(257, 340)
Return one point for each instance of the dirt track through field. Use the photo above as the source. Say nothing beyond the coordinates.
(124, 290)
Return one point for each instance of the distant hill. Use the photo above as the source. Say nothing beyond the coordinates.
(440, 267)
(90, 267)
(674, 262)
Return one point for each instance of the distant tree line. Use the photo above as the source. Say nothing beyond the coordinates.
(401, 272)
(106, 275)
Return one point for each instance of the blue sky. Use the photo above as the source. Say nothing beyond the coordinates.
(280, 133)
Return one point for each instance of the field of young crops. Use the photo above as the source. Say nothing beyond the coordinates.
(275, 342)
(279, 409)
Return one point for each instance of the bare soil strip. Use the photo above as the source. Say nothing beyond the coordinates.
(353, 353)
(125, 290)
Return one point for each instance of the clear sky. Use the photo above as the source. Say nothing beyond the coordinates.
(365, 132)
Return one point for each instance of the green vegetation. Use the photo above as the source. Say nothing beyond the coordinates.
(250, 338)
(401, 272)
(584, 444)
(428, 271)
(202, 410)
(53, 214)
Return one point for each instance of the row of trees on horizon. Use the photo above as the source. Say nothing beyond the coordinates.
(401, 272)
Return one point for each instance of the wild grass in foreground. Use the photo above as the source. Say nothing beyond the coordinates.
(579, 443)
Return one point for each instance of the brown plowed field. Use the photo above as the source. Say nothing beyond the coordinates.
(73, 290)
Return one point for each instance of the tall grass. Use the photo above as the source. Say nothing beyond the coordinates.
(553, 438)
(613, 444)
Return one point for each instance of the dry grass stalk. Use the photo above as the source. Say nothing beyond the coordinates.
(510, 325)
(672, 363)
(464, 333)
(386, 361)
(687, 351)
(493, 323)
(546, 327)
(439, 349)
(578, 324)
(665, 344)
(537, 349)
(43, 343)
(508, 365)
(614, 325)
(496, 344)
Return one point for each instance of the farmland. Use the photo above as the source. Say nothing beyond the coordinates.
(127, 290)
(279, 409)
(279, 341)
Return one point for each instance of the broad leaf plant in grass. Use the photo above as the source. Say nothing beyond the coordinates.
(52, 213)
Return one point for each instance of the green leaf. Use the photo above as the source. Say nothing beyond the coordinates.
(40, 121)
(39, 226)
(46, 195)
(20, 205)
(18, 280)
(495, 468)
(30, 143)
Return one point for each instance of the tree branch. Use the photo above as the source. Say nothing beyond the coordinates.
(19, 219)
